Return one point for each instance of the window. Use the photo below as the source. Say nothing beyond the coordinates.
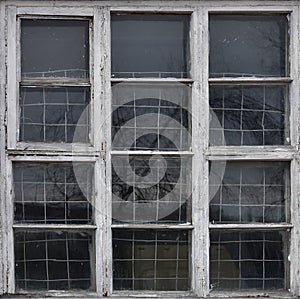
(149, 151)
(251, 110)
(150, 187)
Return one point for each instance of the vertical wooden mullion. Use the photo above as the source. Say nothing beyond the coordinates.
(200, 110)
(294, 96)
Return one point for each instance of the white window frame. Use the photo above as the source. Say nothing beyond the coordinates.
(99, 152)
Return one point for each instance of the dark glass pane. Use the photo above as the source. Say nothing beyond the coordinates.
(52, 114)
(151, 260)
(151, 117)
(51, 262)
(248, 115)
(248, 45)
(151, 189)
(249, 192)
(55, 48)
(241, 260)
(150, 45)
(53, 192)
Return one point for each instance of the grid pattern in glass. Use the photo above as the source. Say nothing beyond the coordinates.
(151, 117)
(53, 192)
(55, 114)
(154, 189)
(151, 260)
(150, 45)
(247, 260)
(250, 192)
(53, 260)
(248, 115)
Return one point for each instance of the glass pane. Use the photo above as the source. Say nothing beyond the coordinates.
(53, 260)
(249, 115)
(55, 114)
(151, 260)
(55, 48)
(250, 192)
(151, 117)
(154, 189)
(150, 45)
(247, 260)
(53, 193)
(248, 45)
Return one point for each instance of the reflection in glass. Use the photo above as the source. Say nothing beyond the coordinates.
(150, 45)
(53, 260)
(151, 117)
(151, 260)
(55, 48)
(250, 192)
(248, 45)
(247, 260)
(154, 189)
(248, 115)
(54, 114)
(53, 192)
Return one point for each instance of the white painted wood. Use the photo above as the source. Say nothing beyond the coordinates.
(53, 8)
(250, 80)
(185, 226)
(57, 158)
(106, 157)
(149, 152)
(3, 256)
(12, 80)
(150, 80)
(294, 252)
(31, 226)
(199, 263)
(249, 226)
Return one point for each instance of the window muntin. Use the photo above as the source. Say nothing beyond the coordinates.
(46, 44)
(55, 89)
(248, 260)
(150, 45)
(250, 192)
(249, 115)
(151, 260)
(53, 192)
(248, 45)
(54, 260)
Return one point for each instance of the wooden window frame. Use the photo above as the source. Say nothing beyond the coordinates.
(99, 152)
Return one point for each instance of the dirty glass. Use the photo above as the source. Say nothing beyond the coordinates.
(53, 193)
(151, 260)
(247, 260)
(249, 115)
(248, 45)
(249, 192)
(151, 117)
(150, 45)
(151, 189)
(53, 260)
(55, 48)
(55, 114)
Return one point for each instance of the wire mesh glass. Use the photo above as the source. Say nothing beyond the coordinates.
(53, 192)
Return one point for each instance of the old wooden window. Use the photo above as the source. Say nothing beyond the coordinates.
(252, 110)
(149, 149)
